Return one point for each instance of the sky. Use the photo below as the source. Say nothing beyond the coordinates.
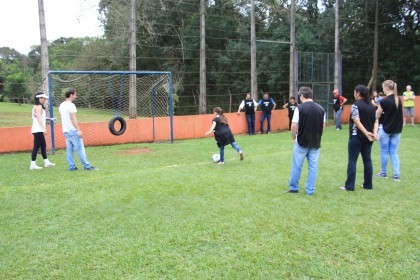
(19, 21)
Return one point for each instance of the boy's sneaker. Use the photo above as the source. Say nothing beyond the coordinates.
(396, 178)
(241, 155)
(49, 164)
(382, 175)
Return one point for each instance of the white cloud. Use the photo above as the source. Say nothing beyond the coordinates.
(19, 21)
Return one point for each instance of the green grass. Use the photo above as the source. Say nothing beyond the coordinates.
(14, 114)
(171, 213)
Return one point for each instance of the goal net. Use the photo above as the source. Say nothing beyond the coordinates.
(146, 112)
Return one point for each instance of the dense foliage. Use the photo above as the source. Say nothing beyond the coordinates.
(168, 38)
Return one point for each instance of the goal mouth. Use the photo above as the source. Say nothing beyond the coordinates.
(114, 107)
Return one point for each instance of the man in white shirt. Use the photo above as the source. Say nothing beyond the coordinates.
(72, 132)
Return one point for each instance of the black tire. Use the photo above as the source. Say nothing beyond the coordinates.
(112, 125)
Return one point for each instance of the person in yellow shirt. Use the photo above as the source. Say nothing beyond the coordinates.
(409, 97)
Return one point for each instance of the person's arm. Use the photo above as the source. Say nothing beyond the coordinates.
(295, 124)
(375, 130)
(374, 103)
(274, 105)
(362, 128)
(294, 129)
(379, 111)
(413, 96)
(344, 100)
(213, 125)
(255, 105)
(38, 114)
(75, 124)
(241, 106)
(286, 106)
(325, 121)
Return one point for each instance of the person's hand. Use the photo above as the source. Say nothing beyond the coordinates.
(239, 113)
(80, 134)
(207, 133)
(370, 136)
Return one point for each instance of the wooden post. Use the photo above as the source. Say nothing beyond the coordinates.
(337, 80)
(292, 64)
(44, 46)
(203, 81)
(132, 106)
(254, 93)
(375, 48)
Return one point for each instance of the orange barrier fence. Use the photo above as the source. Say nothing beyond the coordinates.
(18, 139)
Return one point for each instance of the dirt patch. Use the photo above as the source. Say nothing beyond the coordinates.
(135, 151)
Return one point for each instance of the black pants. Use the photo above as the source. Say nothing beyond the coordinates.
(290, 123)
(39, 142)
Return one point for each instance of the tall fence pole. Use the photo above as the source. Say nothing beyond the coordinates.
(293, 67)
(254, 92)
(203, 82)
(337, 80)
(132, 106)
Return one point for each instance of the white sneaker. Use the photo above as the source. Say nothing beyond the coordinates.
(35, 167)
(49, 164)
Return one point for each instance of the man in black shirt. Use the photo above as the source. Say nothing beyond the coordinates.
(250, 107)
(307, 126)
(267, 107)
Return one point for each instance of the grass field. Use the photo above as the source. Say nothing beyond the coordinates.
(166, 211)
(14, 114)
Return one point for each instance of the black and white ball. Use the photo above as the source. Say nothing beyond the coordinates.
(215, 158)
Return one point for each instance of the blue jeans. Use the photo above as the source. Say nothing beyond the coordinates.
(222, 151)
(75, 143)
(338, 118)
(299, 155)
(355, 147)
(263, 117)
(388, 145)
(251, 123)
(408, 110)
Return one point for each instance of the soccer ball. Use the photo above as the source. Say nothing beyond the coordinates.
(215, 158)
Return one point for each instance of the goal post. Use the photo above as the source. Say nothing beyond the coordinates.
(104, 95)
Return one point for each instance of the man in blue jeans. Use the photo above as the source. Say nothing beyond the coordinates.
(250, 107)
(338, 102)
(307, 126)
(267, 107)
(72, 132)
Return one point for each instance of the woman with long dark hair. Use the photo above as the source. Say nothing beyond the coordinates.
(39, 127)
(223, 134)
(363, 126)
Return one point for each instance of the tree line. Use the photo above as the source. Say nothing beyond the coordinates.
(168, 39)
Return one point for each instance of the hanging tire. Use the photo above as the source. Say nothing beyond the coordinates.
(112, 125)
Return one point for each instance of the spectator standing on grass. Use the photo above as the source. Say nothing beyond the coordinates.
(223, 134)
(409, 97)
(363, 127)
(291, 106)
(338, 102)
(39, 128)
(390, 116)
(267, 107)
(72, 132)
(375, 99)
(249, 105)
(307, 126)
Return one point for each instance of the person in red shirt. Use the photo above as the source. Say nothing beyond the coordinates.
(338, 102)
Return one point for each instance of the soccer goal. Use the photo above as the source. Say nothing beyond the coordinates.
(106, 110)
